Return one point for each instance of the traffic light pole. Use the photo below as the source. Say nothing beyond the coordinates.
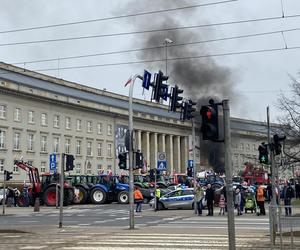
(61, 199)
(228, 171)
(4, 194)
(194, 161)
(130, 154)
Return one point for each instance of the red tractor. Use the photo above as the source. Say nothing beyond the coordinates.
(253, 175)
(45, 190)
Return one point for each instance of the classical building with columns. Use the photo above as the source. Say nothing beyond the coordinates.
(41, 115)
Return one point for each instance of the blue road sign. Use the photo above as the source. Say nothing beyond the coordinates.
(161, 165)
(190, 163)
(52, 161)
(146, 79)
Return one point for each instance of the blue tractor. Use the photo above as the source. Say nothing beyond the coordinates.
(107, 188)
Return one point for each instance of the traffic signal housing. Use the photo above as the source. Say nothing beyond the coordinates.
(210, 122)
(277, 145)
(69, 162)
(263, 156)
(160, 89)
(139, 160)
(187, 110)
(122, 161)
(7, 175)
(175, 98)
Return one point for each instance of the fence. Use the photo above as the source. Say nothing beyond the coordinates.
(284, 226)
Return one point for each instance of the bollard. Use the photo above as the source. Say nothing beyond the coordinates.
(36, 205)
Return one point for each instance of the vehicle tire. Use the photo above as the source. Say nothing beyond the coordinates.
(160, 206)
(123, 197)
(82, 196)
(50, 196)
(98, 196)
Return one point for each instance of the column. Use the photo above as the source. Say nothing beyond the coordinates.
(153, 149)
(177, 154)
(184, 153)
(146, 146)
(162, 143)
(169, 151)
(138, 136)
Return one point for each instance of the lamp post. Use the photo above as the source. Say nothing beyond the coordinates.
(166, 43)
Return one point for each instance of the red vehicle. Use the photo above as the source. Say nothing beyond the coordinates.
(45, 190)
(179, 178)
(253, 175)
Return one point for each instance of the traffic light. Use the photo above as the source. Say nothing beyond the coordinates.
(190, 109)
(210, 127)
(122, 161)
(190, 172)
(139, 159)
(69, 162)
(7, 175)
(277, 146)
(263, 153)
(175, 98)
(160, 89)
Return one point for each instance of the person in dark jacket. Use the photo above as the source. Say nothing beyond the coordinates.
(209, 197)
(288, 194)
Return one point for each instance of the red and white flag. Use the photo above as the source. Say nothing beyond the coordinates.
(129, 81)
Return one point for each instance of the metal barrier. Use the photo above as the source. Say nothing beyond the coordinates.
(284, 224)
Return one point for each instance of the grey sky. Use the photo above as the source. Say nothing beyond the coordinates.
(257, 78)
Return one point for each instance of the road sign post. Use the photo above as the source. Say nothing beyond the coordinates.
(52, 163)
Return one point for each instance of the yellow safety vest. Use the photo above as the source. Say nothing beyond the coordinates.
(157, 193)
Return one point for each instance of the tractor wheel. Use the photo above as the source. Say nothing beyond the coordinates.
(50, 196)
(123, 197)
(98, 196)
(81, 197)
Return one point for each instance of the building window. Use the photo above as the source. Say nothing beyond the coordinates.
(17, 141)
(43, 166)
(56, 121)
(30, 116)
(68, 123)
(254, 147)
(55, 144)
(67, 145)
(44, 120)
(89, 168)
(78, 125)
(30, 142)
(89, 148)
(99, 149)
(241, 146)
(3, 109)
(2, 139)
(17, 114)
(109, 150)
(99, 169)
(109, 129)
(99, 128)
(44, 143)
(248, 147)
(78, 147)
(1, 165)
(89, 127)
(30, 163)
(78, 168)
(16, 169)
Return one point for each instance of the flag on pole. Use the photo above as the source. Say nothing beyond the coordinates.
(129, 81)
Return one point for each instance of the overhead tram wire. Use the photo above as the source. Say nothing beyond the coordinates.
(149, 31)
(117, 17)
(171, 59)
(160, 47)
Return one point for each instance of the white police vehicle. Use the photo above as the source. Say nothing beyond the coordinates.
(182, 198)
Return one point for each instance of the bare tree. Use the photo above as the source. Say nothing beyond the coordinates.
(290, 120)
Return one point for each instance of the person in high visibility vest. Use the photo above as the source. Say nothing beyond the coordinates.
(157, 196)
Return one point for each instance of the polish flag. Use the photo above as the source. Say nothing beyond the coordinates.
(129, 81)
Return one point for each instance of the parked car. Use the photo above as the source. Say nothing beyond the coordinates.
(177, 199)
(1, 195)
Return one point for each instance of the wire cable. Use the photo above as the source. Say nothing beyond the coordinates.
(170, 59)
(116, 17)
(162, 46)
(149, 31)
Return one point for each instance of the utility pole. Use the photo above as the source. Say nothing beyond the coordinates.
(228, 171)
(130, 153)
(61, 203)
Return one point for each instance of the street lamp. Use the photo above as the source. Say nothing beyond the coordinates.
(166, 43)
